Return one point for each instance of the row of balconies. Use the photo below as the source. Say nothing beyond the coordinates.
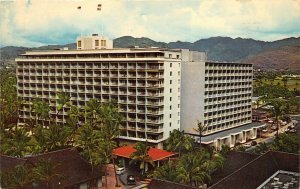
(233, 114)
(227, 87)
(234, 100)
(217, 109)
(228, 67)
(105, 67)
(226, 125)
(227, 81)
(228, 74)
(228, 94)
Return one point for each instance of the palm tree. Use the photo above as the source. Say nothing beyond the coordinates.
(141, 155)
(19, 177)
(166, 172)
(57, 137)
(110, 120)
(64, 100)
(92, 110)
(193, 168)
(178, 142)
(278, 109)
(46, 171)
(18, 145)
(41, 110)
(200, 129)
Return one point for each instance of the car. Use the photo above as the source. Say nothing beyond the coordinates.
(131, 180)
(253, 143)
(264, 130)
(293, 131)
(247, 145)
(120, 170)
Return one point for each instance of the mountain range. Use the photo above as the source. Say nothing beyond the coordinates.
(277, 55)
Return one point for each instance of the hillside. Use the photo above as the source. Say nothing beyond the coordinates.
(284, 58)
(224, 49)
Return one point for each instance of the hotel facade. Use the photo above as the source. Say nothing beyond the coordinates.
(157, 90)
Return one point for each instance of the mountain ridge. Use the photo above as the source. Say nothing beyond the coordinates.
(222, 49)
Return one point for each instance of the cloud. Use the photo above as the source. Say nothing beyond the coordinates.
(38, 22)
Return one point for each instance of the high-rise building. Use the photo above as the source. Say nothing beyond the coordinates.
(157, 90)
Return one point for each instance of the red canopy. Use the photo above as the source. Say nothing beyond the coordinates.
(154, 153)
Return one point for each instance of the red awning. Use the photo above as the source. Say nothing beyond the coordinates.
(154, 153)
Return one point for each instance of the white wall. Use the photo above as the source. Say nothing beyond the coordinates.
(175, 61)
(192, 95)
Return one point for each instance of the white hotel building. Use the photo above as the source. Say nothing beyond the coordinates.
(157, 90)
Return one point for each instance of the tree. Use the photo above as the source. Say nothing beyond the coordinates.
(41, 110)
(46, 171)
(19, 177)
(178, 142)
(287, 143)
(9, 102)
(64, 100)
(18, 144)
(166, 172)
(110, 120)
(88, 140)
(195, 168)
(141, 155)
(261, 148)
(200, 129)
(92, 110)
(278, 109)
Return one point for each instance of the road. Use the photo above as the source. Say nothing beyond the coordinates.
(296, 120)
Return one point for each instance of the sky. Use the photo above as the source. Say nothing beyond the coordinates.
(33, 23)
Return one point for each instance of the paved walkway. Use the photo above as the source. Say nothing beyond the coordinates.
(111, 179)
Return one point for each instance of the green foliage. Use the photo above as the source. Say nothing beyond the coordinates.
(193, 168)
(166, 172)
(9, 102)
(272, 91)
(287, 143)
(178, 142)
(19, 177)
(16, 143)
(141, 155)
(261, 148)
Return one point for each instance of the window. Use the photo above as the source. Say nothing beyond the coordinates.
(97, 43)
(103, 43)
(170, 98)
(171, 107)
(177, 56)
(170, 73)
(178, 73)
(170, 115)
(170, 81)
(170, 90)
(79, 44)
(178, 105)
(170, 65)
(170, 55)
(170, 125)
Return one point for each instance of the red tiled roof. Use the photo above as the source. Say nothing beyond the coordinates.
(154, 153)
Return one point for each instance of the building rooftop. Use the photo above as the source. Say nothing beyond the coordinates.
(232, 131)
(68, 162)
(256, 172)
(154, 153)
